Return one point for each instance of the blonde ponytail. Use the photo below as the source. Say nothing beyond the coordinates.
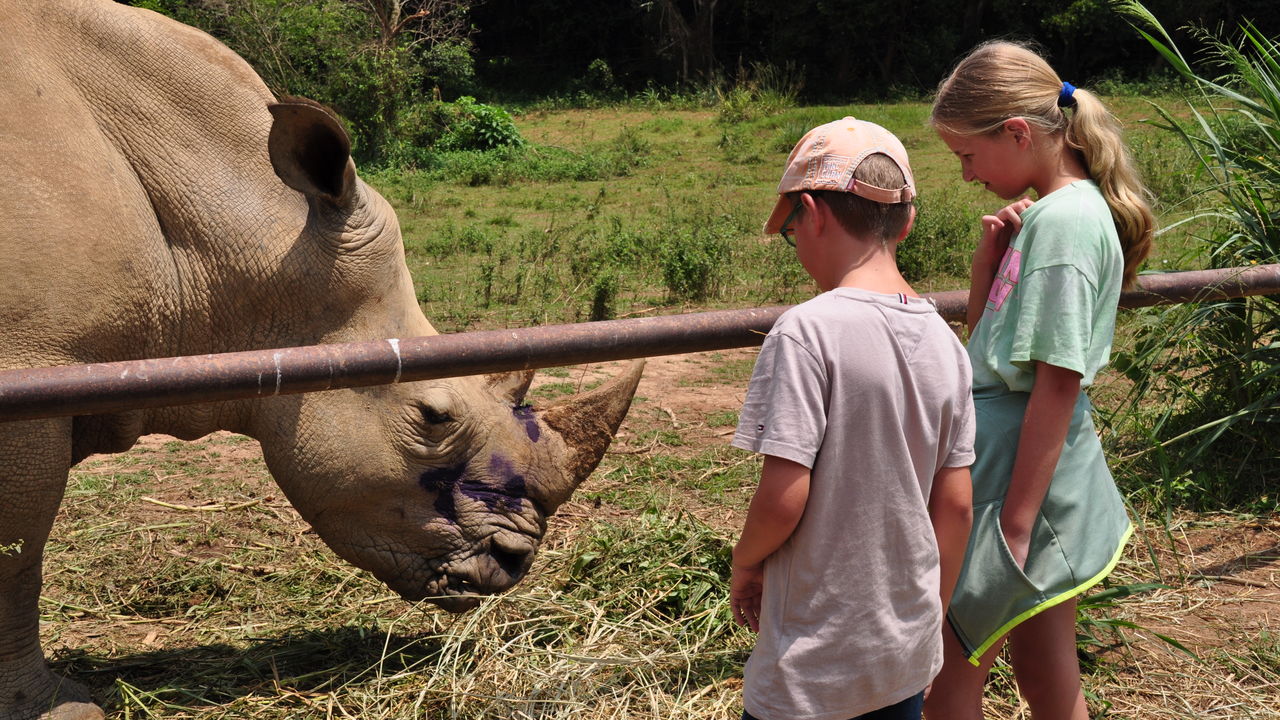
(1095, 133)
(1000, 80)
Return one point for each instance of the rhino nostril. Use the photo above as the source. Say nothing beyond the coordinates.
(514, 560)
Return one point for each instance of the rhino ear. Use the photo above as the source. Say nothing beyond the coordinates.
(310, 151)
(510, 386)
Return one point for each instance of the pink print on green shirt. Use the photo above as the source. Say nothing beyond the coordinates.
(1006, 278)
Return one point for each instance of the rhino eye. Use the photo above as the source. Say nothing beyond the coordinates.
(436, 417)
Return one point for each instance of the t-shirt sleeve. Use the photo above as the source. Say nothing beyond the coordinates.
(963, 425)
(1055, 321)
(785, 412)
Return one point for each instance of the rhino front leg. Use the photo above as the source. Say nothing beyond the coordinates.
(34, 457)
(38, 694)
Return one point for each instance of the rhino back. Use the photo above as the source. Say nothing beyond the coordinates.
(139, 185)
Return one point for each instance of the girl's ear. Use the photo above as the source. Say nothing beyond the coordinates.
(1019, 129)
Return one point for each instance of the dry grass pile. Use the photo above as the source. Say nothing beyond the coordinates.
(180, 584)
(180, 590)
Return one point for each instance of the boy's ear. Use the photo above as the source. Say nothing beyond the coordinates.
(906, 229)
(811, 212)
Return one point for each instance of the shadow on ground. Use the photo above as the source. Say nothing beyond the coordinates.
(301, 663)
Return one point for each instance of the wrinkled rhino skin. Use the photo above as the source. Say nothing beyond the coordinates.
(159, 202)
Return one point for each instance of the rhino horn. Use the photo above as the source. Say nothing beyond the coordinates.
(510, 386)
(587, 423)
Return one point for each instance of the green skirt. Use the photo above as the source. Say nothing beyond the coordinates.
(1076, 540)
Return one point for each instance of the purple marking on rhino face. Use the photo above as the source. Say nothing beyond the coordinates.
(442, 481)
(513, 489)
(445, 481)
(524, 413)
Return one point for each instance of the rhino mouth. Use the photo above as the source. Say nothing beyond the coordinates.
(460, 584)
(448, 592)
(456, 603)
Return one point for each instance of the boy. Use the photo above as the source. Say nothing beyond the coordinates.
(860, 403)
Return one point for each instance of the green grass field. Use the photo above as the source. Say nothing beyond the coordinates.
(615, 212)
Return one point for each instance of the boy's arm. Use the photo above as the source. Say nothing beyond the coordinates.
(951, 511)
(775, 511)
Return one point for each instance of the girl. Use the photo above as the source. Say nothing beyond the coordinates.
(1048, 522)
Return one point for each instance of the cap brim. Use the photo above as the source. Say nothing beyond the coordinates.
(781, 210)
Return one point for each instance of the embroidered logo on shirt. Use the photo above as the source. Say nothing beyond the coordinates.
(1005, 280)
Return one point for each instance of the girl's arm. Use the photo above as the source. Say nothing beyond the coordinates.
(1044, 432)
(775, 511)
(997, 231)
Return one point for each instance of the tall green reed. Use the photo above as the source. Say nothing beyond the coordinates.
(1206, 377)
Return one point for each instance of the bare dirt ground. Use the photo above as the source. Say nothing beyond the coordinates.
(1220, 600)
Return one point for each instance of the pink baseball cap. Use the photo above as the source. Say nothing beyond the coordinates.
(826, 157)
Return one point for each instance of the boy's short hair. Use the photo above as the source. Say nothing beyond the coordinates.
(859, 169)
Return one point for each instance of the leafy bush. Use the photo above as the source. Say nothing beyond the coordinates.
(476, 126)
(942, 240)
(760, 91)
(695, 258)
(606, 258)
(426, 129)
(604, 294)
(451, 66)
(782, 279)
(524, 162)
(597, 86)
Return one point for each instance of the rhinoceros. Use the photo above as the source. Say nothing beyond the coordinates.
(158, 201)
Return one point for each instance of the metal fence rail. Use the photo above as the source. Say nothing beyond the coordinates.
(113, 387)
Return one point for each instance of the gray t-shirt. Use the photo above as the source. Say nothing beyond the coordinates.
(871, 392)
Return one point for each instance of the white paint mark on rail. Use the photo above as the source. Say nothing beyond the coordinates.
(395, 348)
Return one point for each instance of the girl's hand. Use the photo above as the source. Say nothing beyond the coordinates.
(1019, 545)
(998, 231)
(745, 590)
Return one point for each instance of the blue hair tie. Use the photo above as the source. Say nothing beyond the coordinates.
(1066, 95)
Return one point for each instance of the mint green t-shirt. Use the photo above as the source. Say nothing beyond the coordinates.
(1066, 265)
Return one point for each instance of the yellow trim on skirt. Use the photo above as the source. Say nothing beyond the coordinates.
(976, 657)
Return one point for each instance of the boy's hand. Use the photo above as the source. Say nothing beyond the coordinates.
(745, 591)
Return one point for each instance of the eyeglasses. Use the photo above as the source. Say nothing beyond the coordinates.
(788, 233)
